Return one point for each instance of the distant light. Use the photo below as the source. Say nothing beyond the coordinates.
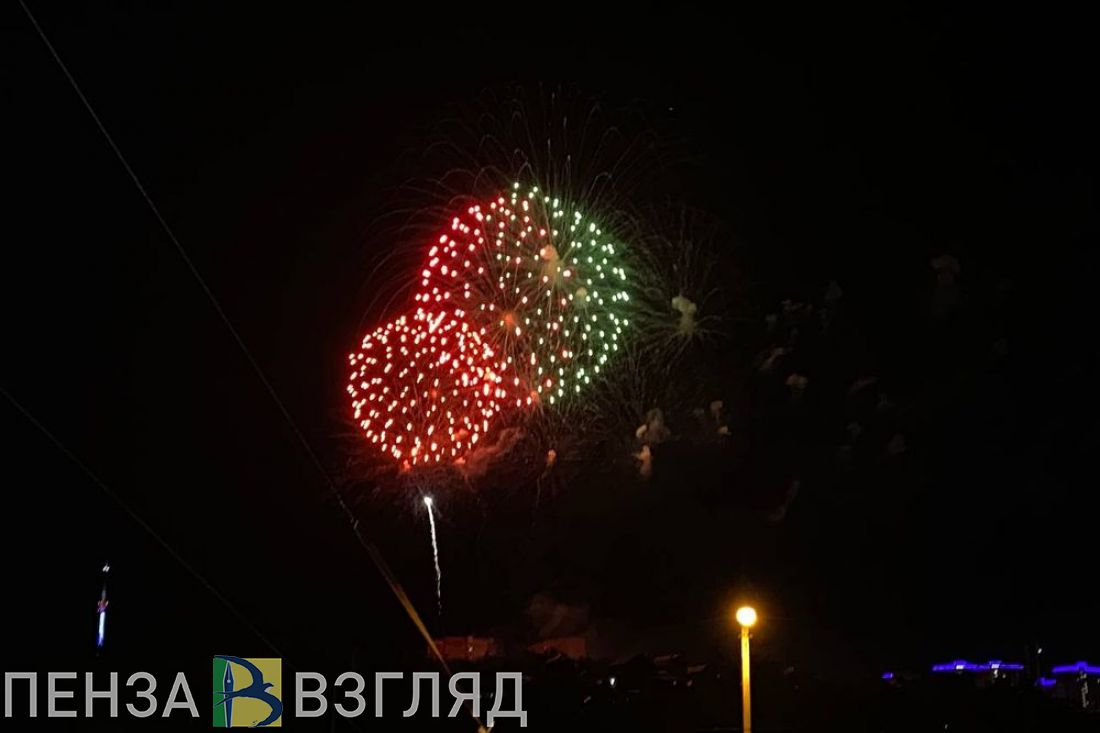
(1047, 682)
(102, 628)
(1079, 668)
(961, 665)
(428, 501)
(611, 681)
(746, 616)
(887, 675)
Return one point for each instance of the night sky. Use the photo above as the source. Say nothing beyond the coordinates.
(848, 148)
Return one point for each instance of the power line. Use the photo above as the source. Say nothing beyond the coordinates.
(372, 551)
(137, 518)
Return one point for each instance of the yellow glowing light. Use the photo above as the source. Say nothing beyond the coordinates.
(746, 616)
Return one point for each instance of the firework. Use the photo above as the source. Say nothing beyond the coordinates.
(575, 145)
(604, 157)
(547, 287)
(682, 284)
(425, 388)
(435, 556)
(542, 270)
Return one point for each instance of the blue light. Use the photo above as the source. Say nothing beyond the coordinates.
(998, 664)
(961, 665)
(101, 608)
(887, 675)
(102, 628)
(1079, 668)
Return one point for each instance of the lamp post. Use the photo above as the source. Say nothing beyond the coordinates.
(746, 618)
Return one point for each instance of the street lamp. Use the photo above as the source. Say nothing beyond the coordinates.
(746, 618)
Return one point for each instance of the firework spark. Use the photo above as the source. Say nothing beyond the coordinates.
(682, 283)
(425, 388)
(435, 556)
(547, 286)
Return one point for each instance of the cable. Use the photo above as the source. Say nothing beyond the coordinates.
(137, 518)
(372, 551)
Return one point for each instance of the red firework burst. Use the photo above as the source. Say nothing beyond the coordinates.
(521, 302)
(425, 388)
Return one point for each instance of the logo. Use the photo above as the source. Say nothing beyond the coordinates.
(247, 692)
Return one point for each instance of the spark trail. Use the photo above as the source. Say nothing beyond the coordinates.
(435, 556)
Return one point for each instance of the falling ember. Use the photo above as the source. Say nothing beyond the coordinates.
(435, 556)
